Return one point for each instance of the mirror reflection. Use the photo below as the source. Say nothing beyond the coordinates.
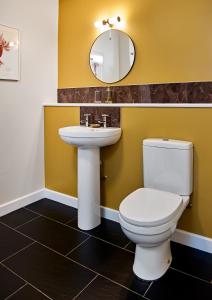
(112, 56)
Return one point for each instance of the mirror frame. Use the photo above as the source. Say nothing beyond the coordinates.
(130, 67)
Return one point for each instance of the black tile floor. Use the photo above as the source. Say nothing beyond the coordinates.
(43, 255)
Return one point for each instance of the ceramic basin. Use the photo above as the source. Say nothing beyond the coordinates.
(82, 136)
(89, 140)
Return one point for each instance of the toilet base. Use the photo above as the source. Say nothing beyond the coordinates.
(152, 263)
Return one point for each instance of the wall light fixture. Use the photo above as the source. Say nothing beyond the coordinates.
(110, 23)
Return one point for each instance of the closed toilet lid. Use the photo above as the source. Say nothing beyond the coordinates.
(149, 207)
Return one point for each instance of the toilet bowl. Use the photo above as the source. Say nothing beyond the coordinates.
(151, 226)
(149, 216)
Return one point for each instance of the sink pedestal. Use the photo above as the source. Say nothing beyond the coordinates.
(89, 140)
(88, 188)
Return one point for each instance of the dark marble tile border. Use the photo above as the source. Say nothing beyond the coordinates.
(194, 92)
(113, 113)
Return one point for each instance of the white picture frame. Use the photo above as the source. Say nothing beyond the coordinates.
(9, 53)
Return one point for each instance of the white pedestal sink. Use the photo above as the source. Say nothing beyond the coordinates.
(89, 140)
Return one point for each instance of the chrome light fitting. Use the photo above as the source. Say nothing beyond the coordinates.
(109, 23)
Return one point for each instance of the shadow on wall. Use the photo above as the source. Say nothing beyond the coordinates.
(191, 214)
(123, 175)
(109, 176)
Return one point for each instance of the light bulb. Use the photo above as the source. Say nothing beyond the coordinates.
(98, 24)
(112, 21)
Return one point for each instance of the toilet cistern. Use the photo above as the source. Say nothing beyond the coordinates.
(89, 140)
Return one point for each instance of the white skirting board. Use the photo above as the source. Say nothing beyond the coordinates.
(180, 236)
(20, 202)
(192, 240)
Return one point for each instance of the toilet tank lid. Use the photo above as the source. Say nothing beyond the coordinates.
(167, 143)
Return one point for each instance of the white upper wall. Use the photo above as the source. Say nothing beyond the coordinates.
(21, 115)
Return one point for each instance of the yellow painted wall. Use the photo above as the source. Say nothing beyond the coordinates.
(122, 162)
(172, 39)
(173, 44)
(60, 159)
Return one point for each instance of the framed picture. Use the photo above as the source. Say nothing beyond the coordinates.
(9, 53)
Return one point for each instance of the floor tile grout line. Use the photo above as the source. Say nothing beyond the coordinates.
(79, 263)
(126, 245)
(87, 285)
(148, 288)
(95, 237)
(121, 285)
(193, 276)
(20, 250)
(129, 251)
(49, 248)
(88, 267)
(64, 224)
(19, 232)
(87, 239)
(34, 211)
(77, 246)
(8, 297)
(68, 258)
(33, 286)
(54, 220)
(76, 262)
(101, 275)
(27, 222)
(77, 229)
(85, 267)
(34, 241)
(113, 244)
(71, 220)
(58, 222)
(98, 238)
(27, 209)
(146, 298)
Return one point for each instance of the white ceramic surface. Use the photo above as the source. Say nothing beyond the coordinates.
(82, 136)
(143, 207)
(168, 165)
(89, 140)
(149, 216)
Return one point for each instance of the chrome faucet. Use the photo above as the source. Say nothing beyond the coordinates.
(86, 121)
(104, 120)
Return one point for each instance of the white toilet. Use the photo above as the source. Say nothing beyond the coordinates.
(149, 215)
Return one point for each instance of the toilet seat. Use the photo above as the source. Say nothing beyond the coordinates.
(147, 207)
(153, 230)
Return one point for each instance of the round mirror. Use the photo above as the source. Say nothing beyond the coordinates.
(112, 56)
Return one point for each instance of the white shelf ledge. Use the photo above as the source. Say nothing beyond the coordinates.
(162, 105)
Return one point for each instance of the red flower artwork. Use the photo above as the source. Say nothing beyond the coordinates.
(4, 46)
